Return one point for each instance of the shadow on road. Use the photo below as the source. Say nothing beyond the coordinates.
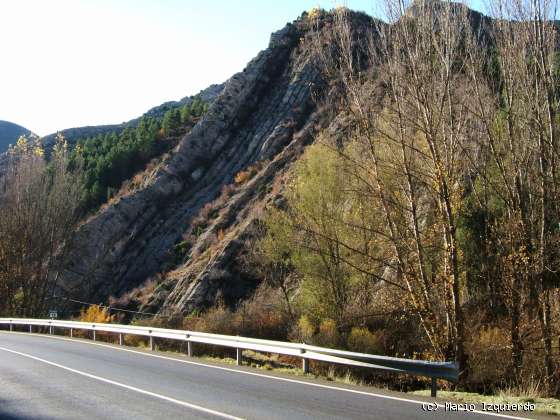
(8, 411)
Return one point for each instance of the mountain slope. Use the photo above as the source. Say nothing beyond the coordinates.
(262, 119)
(9, 133)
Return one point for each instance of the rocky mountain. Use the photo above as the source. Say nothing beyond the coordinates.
(9, 133)
(190, 223)
(259, 124)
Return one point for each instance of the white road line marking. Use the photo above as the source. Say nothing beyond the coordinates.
(189, 362)
(131, 388)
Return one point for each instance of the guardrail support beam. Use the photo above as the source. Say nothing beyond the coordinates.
(30, 328)
(189, 348)
(11, 327)
(120, 339)
(305, 365)
(434, 387)
(239, 357)
(152, 343)
(50, 329)
(71, 332)
(93, 335)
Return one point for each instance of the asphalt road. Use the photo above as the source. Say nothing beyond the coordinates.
(45, 377)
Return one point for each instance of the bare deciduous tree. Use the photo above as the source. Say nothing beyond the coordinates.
(39, 204)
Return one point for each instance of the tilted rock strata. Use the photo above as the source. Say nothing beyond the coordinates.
(254, 119)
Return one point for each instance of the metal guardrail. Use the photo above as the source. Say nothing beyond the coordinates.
(435, 370)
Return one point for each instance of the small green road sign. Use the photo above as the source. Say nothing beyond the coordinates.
(53, 313)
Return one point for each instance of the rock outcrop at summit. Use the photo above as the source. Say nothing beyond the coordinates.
(265, 114)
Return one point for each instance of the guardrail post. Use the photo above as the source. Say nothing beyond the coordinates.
(305, 361)
(305, 365)
(93, 334)
(189, 348)
(239, 357)
(11, 327)
(50, 329)
(434, 387)
(151, 343)
(30, 328)
(71, 332)
(120, 339)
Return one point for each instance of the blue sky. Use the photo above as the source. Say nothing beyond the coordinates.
(68, 63)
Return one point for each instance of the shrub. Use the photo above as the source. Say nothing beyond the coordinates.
(260, 316)
(304, 330)
(217, 320)
(242, 177)
(328, 335)
(363, 340)
(257, 317)
(489, 357)
(94, 314)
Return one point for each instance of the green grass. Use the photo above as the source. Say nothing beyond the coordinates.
(542, 405)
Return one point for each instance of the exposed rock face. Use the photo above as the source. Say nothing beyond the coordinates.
(198, 282)
(265, 113)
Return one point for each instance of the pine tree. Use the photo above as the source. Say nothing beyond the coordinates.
(185, 114)
(171, 122)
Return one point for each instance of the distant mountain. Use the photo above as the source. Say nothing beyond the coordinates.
(9, 133)
(73, 134)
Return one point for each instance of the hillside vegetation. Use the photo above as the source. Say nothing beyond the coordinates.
(431, 225)
(110, 159)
